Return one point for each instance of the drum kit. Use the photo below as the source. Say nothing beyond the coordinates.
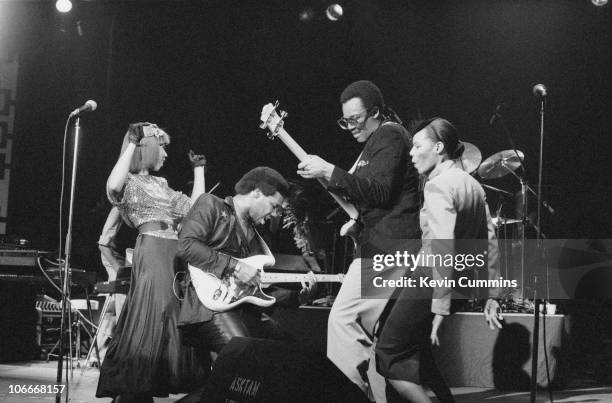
(496, 166)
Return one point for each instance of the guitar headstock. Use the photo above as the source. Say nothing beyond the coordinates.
(272, 119)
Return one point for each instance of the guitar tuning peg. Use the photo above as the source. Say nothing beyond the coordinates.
(271, 135)
(283, 114)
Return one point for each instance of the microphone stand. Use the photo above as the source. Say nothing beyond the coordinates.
(524, 189)
(66, 307)
(536, 301)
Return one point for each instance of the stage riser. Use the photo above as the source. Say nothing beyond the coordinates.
(470, 353)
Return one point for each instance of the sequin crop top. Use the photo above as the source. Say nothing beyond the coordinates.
(147, 198)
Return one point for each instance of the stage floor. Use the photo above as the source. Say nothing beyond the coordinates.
(83, 386)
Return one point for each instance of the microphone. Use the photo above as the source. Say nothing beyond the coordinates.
(88, 106)
(539, 91)
(496, 114)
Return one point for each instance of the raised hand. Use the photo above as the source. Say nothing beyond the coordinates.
(135, 133)
(197, 160)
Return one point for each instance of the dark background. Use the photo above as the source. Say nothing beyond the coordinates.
(204, 69)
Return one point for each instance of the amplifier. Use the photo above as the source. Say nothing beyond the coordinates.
(18, 257)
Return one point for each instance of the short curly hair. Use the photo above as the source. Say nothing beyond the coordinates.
(267, 180)
(367, 91)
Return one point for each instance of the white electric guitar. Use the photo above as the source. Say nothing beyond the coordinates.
(223, 294)
(273, 121)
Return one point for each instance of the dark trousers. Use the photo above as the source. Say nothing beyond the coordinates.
(403, 350)
(213, 335)
(242, 322)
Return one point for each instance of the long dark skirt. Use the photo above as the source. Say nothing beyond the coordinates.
(404, 345)
(146, 355)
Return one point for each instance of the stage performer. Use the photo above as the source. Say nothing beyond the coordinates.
(454, 219)
(113, 259)
(214, 234)
(145, 358)
(383, 184)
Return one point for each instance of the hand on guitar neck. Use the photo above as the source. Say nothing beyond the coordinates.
(314, 166)
(311, 166)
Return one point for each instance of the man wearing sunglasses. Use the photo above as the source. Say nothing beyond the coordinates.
(383, 184)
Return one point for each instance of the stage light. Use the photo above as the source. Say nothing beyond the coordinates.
(599, 3)
(63, 6)
(334, 12)
(306, 14)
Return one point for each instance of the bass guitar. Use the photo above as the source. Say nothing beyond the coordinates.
(273, 121)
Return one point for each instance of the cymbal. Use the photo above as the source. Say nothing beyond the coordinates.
(471, 157)
(499, 221)
(500, 164)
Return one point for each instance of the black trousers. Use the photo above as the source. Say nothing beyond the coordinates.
(241, 322)
(213, 335)
(403, 350)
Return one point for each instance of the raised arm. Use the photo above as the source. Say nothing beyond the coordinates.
(118, 175)
(198, 162)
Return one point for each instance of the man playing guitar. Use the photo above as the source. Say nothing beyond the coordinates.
(215, 235)
(383, 184)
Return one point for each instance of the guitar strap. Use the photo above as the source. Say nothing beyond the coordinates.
(352, 170)
(262, 243)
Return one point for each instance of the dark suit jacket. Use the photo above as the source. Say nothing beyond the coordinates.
(384, 187)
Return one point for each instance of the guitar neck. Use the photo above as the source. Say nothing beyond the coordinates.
(294, 147)
(299, 152)
(270, 278)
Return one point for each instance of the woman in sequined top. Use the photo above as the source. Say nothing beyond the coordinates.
(145, 357)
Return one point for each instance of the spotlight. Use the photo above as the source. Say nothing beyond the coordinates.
(63, 6)
(334, 12)
(306, 14)
(599, 3)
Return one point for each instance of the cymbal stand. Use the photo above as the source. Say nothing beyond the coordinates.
(524, 187)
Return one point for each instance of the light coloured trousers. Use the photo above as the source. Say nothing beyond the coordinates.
(351, 325)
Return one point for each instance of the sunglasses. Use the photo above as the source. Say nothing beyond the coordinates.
(355, 120)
